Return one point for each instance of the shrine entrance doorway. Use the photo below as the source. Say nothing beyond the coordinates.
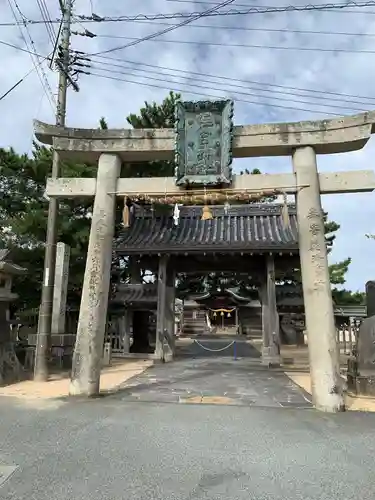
(249, 242)
(223, 319)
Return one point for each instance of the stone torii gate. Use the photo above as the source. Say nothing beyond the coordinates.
(303, 141)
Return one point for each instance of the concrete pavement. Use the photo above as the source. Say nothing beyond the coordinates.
(131, 445)
(112, 449)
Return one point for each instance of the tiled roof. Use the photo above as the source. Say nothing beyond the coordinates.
(136, 294)
(237, 228)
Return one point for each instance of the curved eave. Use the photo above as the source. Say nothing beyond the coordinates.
(195, 250)
(240, 298)
(337, 135)
(199, 297)
(12, 269)
(208, 295)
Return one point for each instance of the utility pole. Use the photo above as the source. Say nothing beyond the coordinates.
(45, 310)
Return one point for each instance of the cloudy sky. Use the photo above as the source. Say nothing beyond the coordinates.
(247, 60)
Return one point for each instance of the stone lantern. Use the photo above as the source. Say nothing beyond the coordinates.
(9, 366)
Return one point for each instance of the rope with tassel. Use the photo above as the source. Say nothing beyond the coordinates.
(197, 198)
(206, 211)
(126, 213)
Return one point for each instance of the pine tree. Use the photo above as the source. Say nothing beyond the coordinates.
(23, 219)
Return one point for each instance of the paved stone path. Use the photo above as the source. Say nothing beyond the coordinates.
(203, 376)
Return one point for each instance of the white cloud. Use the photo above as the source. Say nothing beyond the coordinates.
(350, 73)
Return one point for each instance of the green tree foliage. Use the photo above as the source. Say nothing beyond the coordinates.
(346, 297)
(338, 270)
(153, 116)
(23, 218)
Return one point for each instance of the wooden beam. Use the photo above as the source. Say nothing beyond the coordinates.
(330, 183)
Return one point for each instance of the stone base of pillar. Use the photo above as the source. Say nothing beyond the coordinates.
(161, 357)
(84, 387)
(159, 353)
(107, 354)
(271, 356)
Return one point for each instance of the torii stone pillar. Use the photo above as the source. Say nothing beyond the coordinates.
(88, 352)
(323, 351)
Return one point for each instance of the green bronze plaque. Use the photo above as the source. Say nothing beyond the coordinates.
(204, 135)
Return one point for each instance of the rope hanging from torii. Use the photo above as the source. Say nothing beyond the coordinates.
(204, 198)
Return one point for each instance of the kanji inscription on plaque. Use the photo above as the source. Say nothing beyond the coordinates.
(203, 150)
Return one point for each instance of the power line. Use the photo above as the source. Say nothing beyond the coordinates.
(226, 78)
(241, 45)
(235, 12)
(38, 64)
(205, 2)
(185, 15)
(241, 93)
(169, 29)
(137, 82)
(245, 28)
(246, 86)
(7, 44)
(13, 87)
(47, 18)
(221, 77)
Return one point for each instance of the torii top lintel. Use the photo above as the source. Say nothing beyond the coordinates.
(337, 135)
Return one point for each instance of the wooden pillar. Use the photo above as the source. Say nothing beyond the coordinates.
(326, 382)
(124, 330)
(170, 298)
(161, 307)
(135, 271)
(270, 317)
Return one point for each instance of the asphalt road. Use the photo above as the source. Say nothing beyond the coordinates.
(110, 448)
